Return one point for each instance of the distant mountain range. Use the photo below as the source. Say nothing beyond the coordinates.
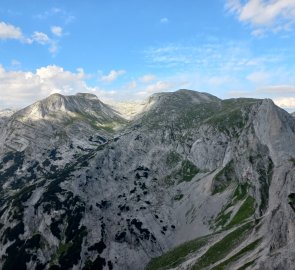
(186, 181)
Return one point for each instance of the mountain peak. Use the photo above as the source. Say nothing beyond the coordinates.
(201, 96)
(87, 95)
(55, 95)
(81, 103)
(180, 98)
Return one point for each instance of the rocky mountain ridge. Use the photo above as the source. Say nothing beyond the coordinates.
(192, 182)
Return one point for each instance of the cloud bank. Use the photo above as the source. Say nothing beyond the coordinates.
(20, 88)
(263, 15)
(112, 76)
(9, 31)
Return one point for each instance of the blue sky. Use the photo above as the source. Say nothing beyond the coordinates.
(130, 49)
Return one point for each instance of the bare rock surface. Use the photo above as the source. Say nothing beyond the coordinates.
(190, 182)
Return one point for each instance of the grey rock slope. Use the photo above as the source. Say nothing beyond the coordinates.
(70, 125)
(4, 116)
(193, 182)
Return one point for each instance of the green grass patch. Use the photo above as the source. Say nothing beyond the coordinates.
(292, 200)
(223, 218)
(230, 115)
(237, 256)
(227, 119)
(241, 192)
(225, 115)
(62, 250)
(246, 210)
(185, 172)
(173, 158)
(178, 197)
(188, 171)
(178, 255)
(246, 265)
(220, 249)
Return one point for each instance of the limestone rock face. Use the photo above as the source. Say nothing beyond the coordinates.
(210, 181)
(71, 123)
(4, 116)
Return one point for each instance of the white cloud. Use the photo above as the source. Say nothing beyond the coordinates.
(258, 33)
(285, 102)
(9, 31)
(113, 75)
(233, 5)
(147, 78)
(53, 48)
(219, 80)
(66, 16)
(15, 64)
(264, 15)
(240, 93)
(132, 85)
(278, 90)
(282, 95)
(213, 55)
(271, 91)
(56, 30)
(20, 88)
(167, 84)
(170, 55)
(43, 39)
(164, 20)
(261, 12)
(259, 77)
(40, 38)
(223, 66)
(158, 87)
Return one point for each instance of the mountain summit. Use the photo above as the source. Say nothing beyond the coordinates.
(60, 120)
(191, 182)
(82, 103)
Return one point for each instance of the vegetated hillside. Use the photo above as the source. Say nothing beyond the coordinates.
(193, 182)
